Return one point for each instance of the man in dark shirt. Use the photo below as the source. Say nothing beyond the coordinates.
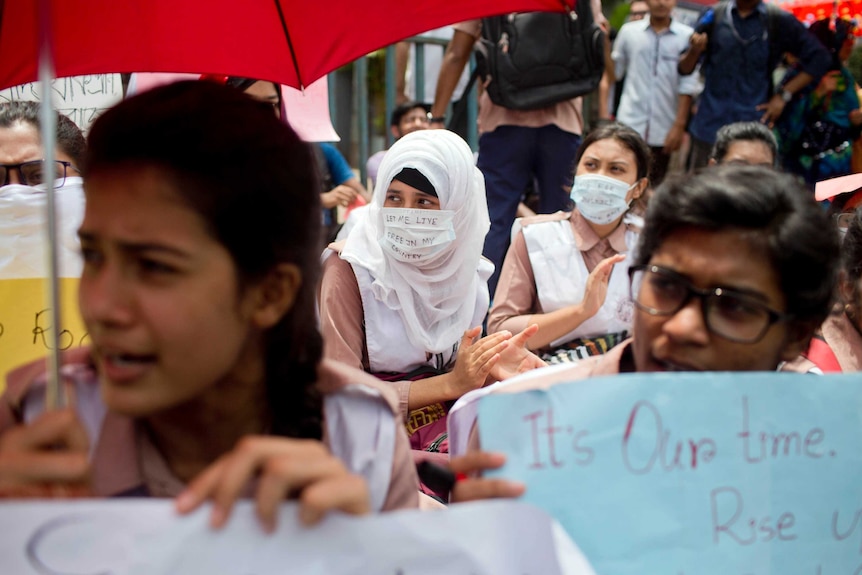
(739, 61)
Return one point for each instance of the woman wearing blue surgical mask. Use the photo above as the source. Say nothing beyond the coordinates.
(406, 294)
(566, 272)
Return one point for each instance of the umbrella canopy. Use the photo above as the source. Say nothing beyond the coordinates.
(292, 42)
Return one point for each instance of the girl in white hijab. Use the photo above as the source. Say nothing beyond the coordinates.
(407, 293)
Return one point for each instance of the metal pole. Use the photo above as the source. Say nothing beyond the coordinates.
(54, 396)
(361, 78)
(472, 110)
(390, 92)
(332, 84)
(420, 72)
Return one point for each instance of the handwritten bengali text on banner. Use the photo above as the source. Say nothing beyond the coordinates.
(81, 98)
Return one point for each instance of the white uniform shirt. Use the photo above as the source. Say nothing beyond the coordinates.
(652, 84)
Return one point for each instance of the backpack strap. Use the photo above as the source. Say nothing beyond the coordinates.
(718, 13)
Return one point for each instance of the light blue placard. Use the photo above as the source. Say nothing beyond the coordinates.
(693, 474)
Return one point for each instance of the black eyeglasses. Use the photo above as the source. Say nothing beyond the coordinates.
(729, 314)
(33, 173)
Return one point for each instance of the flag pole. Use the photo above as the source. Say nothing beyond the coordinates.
(54, 396)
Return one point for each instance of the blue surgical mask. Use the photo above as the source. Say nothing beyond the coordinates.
(600, 199)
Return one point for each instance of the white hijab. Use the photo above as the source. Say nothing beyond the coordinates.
(437, 297)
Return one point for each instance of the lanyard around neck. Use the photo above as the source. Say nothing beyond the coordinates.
(743, 41)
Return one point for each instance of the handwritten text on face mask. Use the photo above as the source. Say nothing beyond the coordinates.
(412, 219)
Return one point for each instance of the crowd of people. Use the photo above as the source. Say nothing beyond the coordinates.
(233, 352)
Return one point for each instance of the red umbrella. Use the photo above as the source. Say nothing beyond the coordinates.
(290, 42)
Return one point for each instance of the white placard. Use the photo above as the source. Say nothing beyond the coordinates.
(81, 98)
(138, 536)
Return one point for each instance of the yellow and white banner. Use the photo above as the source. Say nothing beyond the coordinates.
(25, 321)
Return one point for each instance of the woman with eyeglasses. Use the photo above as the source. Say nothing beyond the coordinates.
(205, 378)
(837, 347)
(566, 272)
(733, 272)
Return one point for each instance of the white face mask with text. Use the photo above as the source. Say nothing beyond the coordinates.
(600, 199)
(415, 235)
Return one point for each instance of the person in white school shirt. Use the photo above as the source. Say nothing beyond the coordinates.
(735, 270)
(566, 272)
(405, 295)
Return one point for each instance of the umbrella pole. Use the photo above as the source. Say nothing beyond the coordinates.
(54, 396)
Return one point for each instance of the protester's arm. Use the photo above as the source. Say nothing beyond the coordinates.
(814, 60)
(554, 325)
(46, 458)
(523, 211)
(303, 467)
(608, 80)
(474, 487)
(775, 106)
(691, 85)
(516, 307)
(620, 53)
(517, 357)
(689, 59)
(473, 365)
(454, 60)
(673, 140)
(337, 196)
(347, 185)
(402, 55)
(599, 16)
(341, 316)
(795, 38)
(403, 490)
(354, 184)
